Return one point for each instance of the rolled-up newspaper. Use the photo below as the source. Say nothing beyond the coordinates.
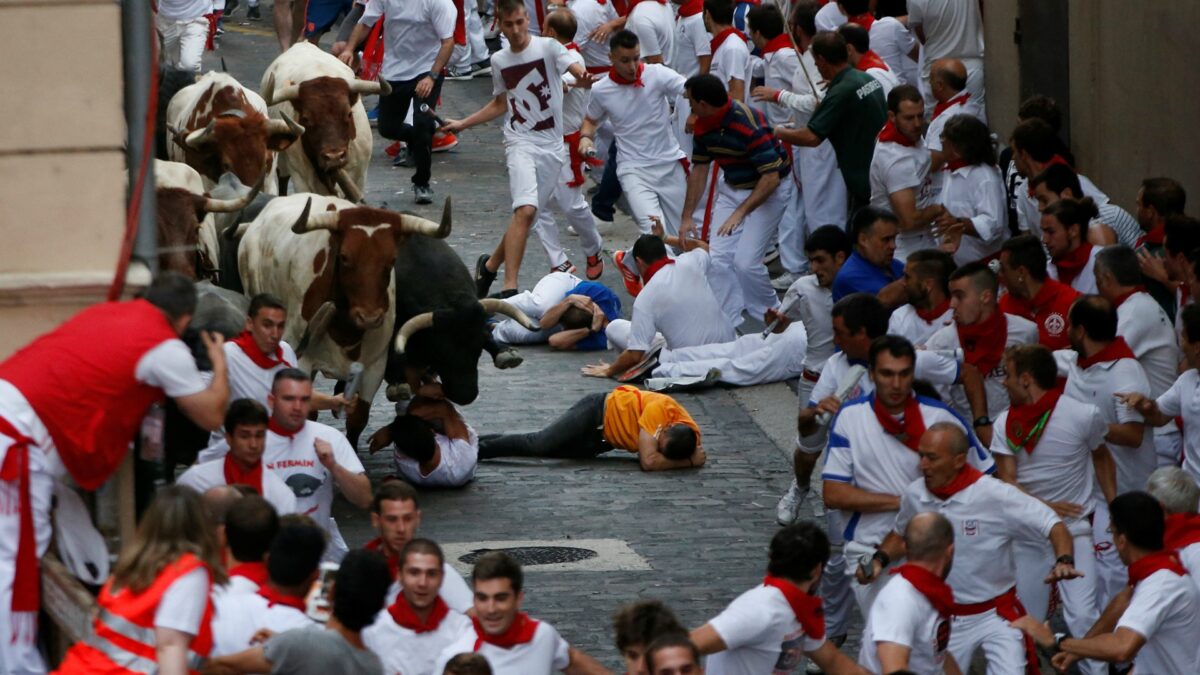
(844, 387)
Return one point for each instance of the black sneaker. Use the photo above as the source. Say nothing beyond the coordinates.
(230, 7)
(422, 194)
(503, 294)
(643, 368)
(483, 277)
(482, 68)
(254, 14)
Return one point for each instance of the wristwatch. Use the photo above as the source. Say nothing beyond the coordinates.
(984, 421)
(883, 558)
(1058, 638)
(1065, 559)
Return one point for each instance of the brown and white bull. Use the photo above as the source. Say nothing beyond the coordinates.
(322, 93)
(332, 263)
(187, 233)
(217, 125)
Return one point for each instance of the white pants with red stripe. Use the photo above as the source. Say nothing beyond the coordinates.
(748, 360)
(570, 202)
(1003, 646)
(1111, 574)
(737, 275)
(656, 190)
(476, 48)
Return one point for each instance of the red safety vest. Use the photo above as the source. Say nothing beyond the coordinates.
(123, 639)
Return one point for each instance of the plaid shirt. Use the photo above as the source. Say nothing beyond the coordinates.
(739, 140)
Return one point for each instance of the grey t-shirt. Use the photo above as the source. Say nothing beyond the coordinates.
(317, 651)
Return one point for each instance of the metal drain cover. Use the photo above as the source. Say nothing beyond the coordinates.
(535, 555)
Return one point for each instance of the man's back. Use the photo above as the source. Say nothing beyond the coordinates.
(318, 651)
(952, 28)
(850, 116)
(678, 303)
(1165, 609)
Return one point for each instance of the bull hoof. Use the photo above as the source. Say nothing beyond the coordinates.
(509, 358)
(398, 392)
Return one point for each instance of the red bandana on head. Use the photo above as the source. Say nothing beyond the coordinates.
(1154, 562)
(890, 134)
(720, 38)
(810, 613)
(405, 617)
(781, 41)
(520, 632)
(1117, 349)
(941, 107)
(935, 312)
(964, 479)
(636, 81)
(236, 475)
(1071, 263)
(1026, 423)
(655, 266)
(274, 427)
(870, 60)
(934, 588)
(1183, 530)
(254, 571)
(909, 431)
(245, 341)
(983, 342)
(274, 597)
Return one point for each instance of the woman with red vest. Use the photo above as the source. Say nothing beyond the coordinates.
(155, 610)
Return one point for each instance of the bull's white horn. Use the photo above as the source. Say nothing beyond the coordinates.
(201, 136)
(230, 205)
(418, 322)
(367, 88)
(349, 187)
(284, 125)
(496, 306)
(272, 97)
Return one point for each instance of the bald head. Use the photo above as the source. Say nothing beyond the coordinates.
(928, 538)
(949, 76)
(219, 500)
(950, 435)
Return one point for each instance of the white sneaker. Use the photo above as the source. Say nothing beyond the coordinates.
(784, 281)
(788, 508)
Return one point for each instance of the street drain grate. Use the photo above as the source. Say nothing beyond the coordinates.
(535, 555)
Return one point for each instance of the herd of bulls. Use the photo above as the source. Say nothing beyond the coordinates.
(361, 284)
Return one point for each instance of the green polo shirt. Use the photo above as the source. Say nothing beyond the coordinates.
(850, 116)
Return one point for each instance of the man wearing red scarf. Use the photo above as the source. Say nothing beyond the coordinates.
(948, 84)
(858, 47)
(1158, 630)
(413, 630)
(781, 621)
(1064, 233)
(989, 517)
(1031, 294)
(250, 525)
(730, 54)
(926, 287)
(1035, 147)
(1179, 495)
(1157, 199)
(513, 642)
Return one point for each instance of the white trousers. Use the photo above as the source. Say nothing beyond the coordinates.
(533, 303)
(822, 187)
(835, 585)
(476, 49)
(570, 202)
(1111, 574)
(746, 361)
(1003, 646)
(656, 190)
(737, 275)
(182, 41)
(617, 333)
(792, 229)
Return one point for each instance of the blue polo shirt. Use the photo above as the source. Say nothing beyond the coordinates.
(607, 301)
(858, 275)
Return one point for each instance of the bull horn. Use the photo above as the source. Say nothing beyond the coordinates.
(496, 306)
(367, 88)
(200, 136)
(418, 322)
(315, 330)
(234, 112)
(272, 97)
(284, 125)
(349, 187)
(230, 205)
(307, 223)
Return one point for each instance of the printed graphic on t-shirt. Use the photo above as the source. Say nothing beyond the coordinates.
(791, 653)
(529, 96)
(1055, 324)
(943, 639)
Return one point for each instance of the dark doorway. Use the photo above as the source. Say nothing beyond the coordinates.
(1042, 42)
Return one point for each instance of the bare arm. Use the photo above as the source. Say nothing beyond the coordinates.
(737, 89)
(848, 497)
(1147, 407)
(695, 188)
(356, 487)
(493, 109)
(834, 662)
(207, 408)
(651, 459)
(904, 205)
(567, 339)
(893, 295)
(1116, 647)
(356, 37)
(802, 137)
(705, 63)
(628, 359)
(973, 386)
(1129, 434)
(707, 640)
(1006, 468)
(892, 656)
(1106, 472)
(171, 648)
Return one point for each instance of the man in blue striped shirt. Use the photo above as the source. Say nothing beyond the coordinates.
(747, 205)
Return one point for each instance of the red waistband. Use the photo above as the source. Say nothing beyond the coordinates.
(1005, 604)
(809, 375)
(598, 70)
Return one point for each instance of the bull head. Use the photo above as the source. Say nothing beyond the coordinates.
(239, 141)
(180, 215)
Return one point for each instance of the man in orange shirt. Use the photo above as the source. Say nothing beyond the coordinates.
(653, 425)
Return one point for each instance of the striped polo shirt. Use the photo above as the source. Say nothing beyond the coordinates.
(739, 141)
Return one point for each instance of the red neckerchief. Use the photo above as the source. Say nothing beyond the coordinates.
(245, 342)
(404, 616)
(236, 475)
(1149, 564)
(1048, 293)
(691, 7)
(909, 432)
(274, 427)
(393, 561)
(870, 59)
(890, 134)
(781, 41)
(655, 266)
(930, 315)
(810, 613)
(636, 81)
(274, 597)
(955, 164)
(1117, 349)
(254, 571)
(1021, 429)
(720, 38)
(941, 107)
(965, 478)
(1071, 263)
(520, 632)
(26, 586)
(1155, 237)
(865, 20)
(1054, 159)
(983, 342)
(934, 588)
(709, 123)
(1120, 299)
(460, 23)
(1183, 530)
(572, 47)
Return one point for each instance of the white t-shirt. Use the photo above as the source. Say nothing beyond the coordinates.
(170, 367)
(239, 616)
(589, 14)
(679, 304)
(1085, 281)
(780, 68)
(1183, 399)
(1096, 385)
(183, 603)
(812, 306)
(977, 192)
(533, 84)
(1020, 332)
(731, 61)
(406, 652)
(454, 592)
(829, 17)
(933, 132)
(413, 33)
(691, 42)
(654, 25)
(457, 465)
(1150, 334)
(1190, 557)
(896, 167)
(1060, 467)
(953, 28)
(903, 615)
(937, 368)
(906, 323)
(202, 476)
(575, 99)
(546, 653)
(1165, 609)
(988, 517)
(893, 42)
(247, 379)
(640, 116)
(761, 635)
(886, 79)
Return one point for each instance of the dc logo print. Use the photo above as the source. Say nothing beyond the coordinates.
(1055, 323)
(970, 527)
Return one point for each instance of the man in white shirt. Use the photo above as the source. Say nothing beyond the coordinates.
(1111, 225)
(730, 55)
(418, 41)
(653, 21)
(590, 15)
(900, 173)
(1052, 447)
(948, 79)
(909, 625)
(527, 89)
(693, 55)
(858, 46)
(513, 642)
(1179, 495)
(1065, 226)
(410, 633)
(992, 517)
(396, 517)
(950, 29)
(1147, 330)
(293, 562)
(1035, 147)
(773, 627)
(434, 445)
(927, 287)
(250, 526)
(1158, 630)
(183, 28)
(246, 436)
